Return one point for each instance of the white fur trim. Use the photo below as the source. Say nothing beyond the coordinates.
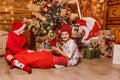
(86, 33)
(22, 28)
(89, 22)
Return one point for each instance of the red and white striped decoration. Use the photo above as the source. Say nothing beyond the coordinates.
(90, 26)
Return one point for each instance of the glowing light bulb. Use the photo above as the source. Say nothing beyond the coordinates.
(12, 12)
(33, 13)
(6, 9)
(5, 21)
(12, 18)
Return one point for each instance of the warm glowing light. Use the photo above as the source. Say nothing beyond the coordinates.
(4, 2)
(11, 7)
(12, 12)
(98, 10)
(12, 18)
(98, 5)
(5, 21)
(33, 13)
(31, 2)
(7, 26)
(6, 9)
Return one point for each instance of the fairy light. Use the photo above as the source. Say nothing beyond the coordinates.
(12, 19)
(98, 5)
(33, 13)
(12, 12)
(98, 10)
(11, 7)
(6, 9)
(5, 21)
(31, 2)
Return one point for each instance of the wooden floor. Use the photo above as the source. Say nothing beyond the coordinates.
(95, 69)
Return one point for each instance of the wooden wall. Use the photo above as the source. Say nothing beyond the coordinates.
(113, 17)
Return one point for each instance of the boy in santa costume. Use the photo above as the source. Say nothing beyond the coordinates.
(16, 43)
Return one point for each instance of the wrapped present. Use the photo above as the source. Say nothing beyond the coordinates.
(89, 54)
(94, 42)
(106, 32)
(96, 53)
(116, 54)
(117, 35)
(83, 52)
(101, 32)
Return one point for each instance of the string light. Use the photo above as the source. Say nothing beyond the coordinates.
(11, 7)
(31, 2)
(33, 13)
(6, 9)
(12, 19)
(12, 12)
(5, 21)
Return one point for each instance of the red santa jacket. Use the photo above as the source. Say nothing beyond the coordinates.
(15, 44)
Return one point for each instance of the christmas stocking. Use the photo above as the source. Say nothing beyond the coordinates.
(15, 62)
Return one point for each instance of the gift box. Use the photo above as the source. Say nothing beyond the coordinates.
(106, 32)
(96, 53)
(91, 53)
(83, 52)
(116, 54)
(117, 35)
(94, 42)
(101, 32)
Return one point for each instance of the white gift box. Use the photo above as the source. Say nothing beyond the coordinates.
(116, 54)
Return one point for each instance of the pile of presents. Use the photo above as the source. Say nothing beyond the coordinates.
(103, 46)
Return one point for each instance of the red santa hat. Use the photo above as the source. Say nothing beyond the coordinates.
(66, 28)
(18, 25)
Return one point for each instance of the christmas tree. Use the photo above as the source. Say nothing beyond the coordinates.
(50, 12)
(47, 17)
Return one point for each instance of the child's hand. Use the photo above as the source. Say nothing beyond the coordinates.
(56, 49)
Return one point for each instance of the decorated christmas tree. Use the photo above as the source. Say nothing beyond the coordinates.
(50, 14)
(47, 15)
(47, 18)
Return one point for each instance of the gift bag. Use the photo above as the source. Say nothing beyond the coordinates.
(116, 54)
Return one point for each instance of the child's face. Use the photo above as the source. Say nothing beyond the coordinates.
(65, 36)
